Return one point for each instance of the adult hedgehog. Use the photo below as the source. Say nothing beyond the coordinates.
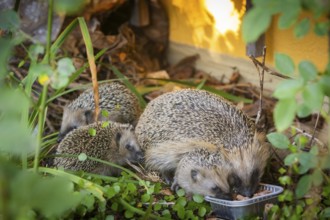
(120, 103)
(187, 116)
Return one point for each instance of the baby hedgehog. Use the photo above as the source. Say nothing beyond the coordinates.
(120, 103)
(199, 115)
(115, 143)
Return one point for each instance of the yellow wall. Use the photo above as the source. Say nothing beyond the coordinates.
(191, 24)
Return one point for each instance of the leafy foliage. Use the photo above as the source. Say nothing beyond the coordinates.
(48, 193)
(305, 174)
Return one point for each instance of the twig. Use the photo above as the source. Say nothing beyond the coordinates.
(261, 80)
(261, 77)
(309, 145)
(309, 135)
(257, 62)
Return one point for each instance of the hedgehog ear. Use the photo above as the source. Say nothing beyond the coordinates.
(194, 175)
(118, 136)
(89, 116)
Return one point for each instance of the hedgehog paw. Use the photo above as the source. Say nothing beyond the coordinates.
(175, 186)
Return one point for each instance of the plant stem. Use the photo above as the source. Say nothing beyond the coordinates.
(49, 30)
(41, 121)
(138, 211)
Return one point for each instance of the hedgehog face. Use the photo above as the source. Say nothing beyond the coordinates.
(242, 187)
(206, 181)
(247, 167)
(128, 147)
(73, 119)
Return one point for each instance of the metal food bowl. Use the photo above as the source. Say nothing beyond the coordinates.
(255, 206)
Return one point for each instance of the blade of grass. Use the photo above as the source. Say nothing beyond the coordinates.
(41, 121)
(62, 37)
(49, 30)
(201, 84)
(93, 188)
(210, 89)
(129, 85)
(91, 61)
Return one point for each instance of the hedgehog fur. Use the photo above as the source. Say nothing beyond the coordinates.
(120, 103)
(199, 115)
(114, 143)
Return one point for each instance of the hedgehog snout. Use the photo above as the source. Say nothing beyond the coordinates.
(140, 156)
(60, 137)
(247, 192)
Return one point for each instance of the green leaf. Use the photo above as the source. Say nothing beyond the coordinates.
(166, 213)
(82, 157)
(314, 150)
(116, 188)
(313, 96)
(65, 67)
(307, 161)
(289, 15)
(181, 201)
(301, 140)
(201, 211)
(110, 217)
(35, 192)
(111, 192)
(273, 6)
(307, 70)
(326, 213)
(284, 113)
(92, 132)
(322, 28)
(317, 177)
(129, 214)
(180, 211)
(88, 201)
(35, 50)
(325, 84)
(303, 185)
(104, 113)
(255, 23)
(105, 124)
(284, 64)
(180, 192)
(278, 140)
(198, 198)
(9, 20)
(131, 187)
(282, 171)
(302, 28)
(114, 206)
(288, 88)
(291, 159)
(157, 207)
(145, 198)
(303, 111)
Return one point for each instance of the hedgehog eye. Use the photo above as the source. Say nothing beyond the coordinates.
(129, 147)
(215, 189)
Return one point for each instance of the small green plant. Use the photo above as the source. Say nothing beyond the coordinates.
(305, 175)
(28, 191)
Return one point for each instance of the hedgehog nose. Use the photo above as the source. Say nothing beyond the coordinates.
(60, 137)
(247, 193)
(140, 156)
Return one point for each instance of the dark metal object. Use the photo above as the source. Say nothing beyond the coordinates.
(254, 49)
